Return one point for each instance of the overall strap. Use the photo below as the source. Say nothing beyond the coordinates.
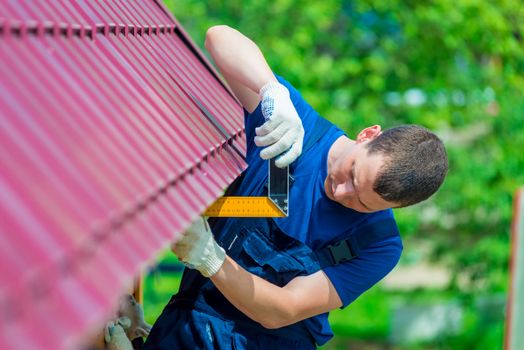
(350, 248)
(321, 127)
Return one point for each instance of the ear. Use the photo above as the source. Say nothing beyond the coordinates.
(369, 133)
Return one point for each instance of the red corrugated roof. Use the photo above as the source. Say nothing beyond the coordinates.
(105, 156)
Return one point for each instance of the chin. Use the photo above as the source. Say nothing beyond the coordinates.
(344, 204)
(351, 206)
(347, 205)
(361, 211)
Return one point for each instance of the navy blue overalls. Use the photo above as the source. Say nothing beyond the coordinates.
(200, 317)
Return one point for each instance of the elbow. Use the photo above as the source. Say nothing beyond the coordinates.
(215, 34)
(283, 316)
(277, 321)
(273, 324)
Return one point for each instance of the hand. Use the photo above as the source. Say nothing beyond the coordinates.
(199, 250)
(282, 132)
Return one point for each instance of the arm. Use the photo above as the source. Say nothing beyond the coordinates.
(270, 305)
(241, 63)
(273, 306)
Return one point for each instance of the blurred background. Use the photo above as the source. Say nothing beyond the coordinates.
(452, 66)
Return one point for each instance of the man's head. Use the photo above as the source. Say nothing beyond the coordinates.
(415, 164)
(395, 168)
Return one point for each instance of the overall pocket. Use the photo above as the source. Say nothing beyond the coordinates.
(192, 329)
(269, 260)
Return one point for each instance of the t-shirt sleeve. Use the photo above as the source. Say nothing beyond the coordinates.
(253, 120)
(354, 277)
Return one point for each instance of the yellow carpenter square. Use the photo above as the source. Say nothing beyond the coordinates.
(249, 207)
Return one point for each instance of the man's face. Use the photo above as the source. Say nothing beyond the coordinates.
(350, 180)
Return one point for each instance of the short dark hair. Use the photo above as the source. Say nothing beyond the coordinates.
(415, 164)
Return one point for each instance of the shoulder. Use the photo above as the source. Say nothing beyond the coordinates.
(375, 261)
(255, 118)
(356, 276)
(379, 235)
(305, 111)
(301, 105)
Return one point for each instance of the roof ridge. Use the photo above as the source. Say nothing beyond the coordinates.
(40, 28)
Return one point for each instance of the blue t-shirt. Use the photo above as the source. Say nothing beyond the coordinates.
(316, 220)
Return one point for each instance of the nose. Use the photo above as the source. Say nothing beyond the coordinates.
(343, 190)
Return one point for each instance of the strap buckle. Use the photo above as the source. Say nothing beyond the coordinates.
(341, 252)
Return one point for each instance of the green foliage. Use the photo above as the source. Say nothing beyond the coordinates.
(453, 66)
(159, 287)
(367, 318)
(450, 65)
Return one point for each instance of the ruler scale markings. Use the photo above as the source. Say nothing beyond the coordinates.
(236, 206)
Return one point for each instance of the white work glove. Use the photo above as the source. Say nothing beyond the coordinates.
(282, 133)
(199, 250)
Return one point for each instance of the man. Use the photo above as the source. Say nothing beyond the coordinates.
(260, 283)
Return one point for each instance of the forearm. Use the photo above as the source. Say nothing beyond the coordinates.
(263, 302)
(266, 303)
(238, 57)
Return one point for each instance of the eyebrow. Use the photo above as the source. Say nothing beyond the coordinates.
(355, 187)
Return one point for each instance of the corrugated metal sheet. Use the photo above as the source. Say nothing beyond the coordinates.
(105, 156)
